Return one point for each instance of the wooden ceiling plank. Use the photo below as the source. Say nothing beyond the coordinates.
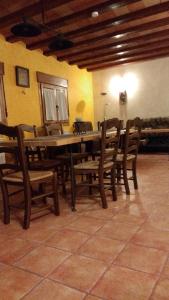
(155, 9)
(142, 13)
(138, 28)
(77, 16)
(72, 17)
(129, 54)
(66, 20)
(113, 44)
(155, 44)
(143, 58)
(29, 11)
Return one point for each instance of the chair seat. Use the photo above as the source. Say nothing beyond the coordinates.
(45, 164)
(92, 165)
(108, 150)
(121, 156)
(34, 176)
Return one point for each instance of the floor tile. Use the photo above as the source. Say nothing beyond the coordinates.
(66, 239)
(124, 284)
(155, 238)
(42, 260)
(15, 283)
(117, 230)
(86, 224)
(13, 249)
(166, 269)
(39, 233)
(49, 290)
(142, 258)
(101, 248)
(79, 272)
(89, 297)
(161, 291)
(129, 218)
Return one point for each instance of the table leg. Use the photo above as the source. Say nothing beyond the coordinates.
(72, 180)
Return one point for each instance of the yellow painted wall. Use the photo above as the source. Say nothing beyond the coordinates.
(23, 104)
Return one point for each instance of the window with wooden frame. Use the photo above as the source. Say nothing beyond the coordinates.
(54, 98)
(3, 109)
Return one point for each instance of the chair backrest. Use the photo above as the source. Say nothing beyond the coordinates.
(132, 137)
(110, 138)
(32, 153)
(54, 129)
(19, 161)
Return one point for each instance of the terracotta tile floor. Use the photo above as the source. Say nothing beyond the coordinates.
(121, 253)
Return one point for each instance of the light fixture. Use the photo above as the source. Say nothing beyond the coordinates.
(26, 29)
(60, 43)
(95, 14)
(123, 97)
(31, 28)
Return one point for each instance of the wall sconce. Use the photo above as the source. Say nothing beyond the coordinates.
(123, 97)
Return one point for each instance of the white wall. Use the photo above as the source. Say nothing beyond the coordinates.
(147, 91)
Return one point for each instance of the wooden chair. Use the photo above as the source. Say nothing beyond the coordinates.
(16, 173)
(104, 163)
(54, 129)
(62, 152)
(127, 159)
(37, 158)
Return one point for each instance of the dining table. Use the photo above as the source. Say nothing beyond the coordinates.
(60, 140)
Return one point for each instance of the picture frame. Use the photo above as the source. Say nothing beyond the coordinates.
(22, 76)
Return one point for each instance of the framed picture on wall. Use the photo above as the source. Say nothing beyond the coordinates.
(22, 76)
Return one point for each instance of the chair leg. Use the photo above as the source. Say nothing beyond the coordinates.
(63, 179)
(27, 214)
(118, 169)
(134, 174)
(55, 195)
(102, 191)
(114, 194)
(5, 203)
(90, 182)
(126, 184)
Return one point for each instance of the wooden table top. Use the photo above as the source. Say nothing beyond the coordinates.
(55, 140)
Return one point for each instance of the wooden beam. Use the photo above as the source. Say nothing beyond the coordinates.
(137, 28)
(152, 10)
(129, 54)
(133, 49)
(113, 50)
(139, 14)
(126, 41)
(136, 59)
(75, 17)
(29, 11)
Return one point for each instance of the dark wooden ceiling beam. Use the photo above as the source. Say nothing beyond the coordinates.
(126, 41)
(139, 47)
(139, 14)
(136, 59)
(86, 56)
(136, 28)
(152, 10)
(129, 54)
(75, 17)
(29, 11)
(68, 19)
